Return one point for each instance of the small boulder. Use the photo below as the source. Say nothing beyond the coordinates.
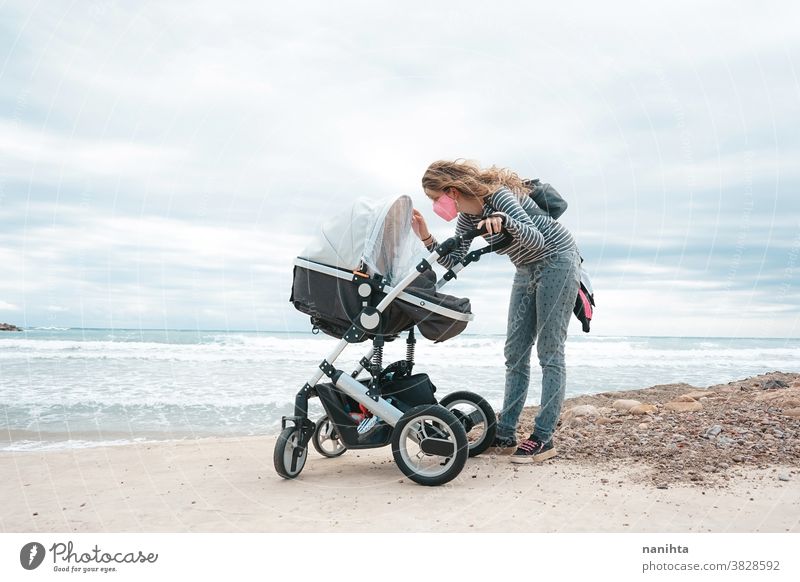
(698, 394)
(681, 406)
(685, 398)
(581, 410)
(624, 405)
(643, 409)
(773, 384)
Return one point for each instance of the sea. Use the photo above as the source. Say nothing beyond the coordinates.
(73, 388)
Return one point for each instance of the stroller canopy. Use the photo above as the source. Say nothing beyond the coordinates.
(375, 233)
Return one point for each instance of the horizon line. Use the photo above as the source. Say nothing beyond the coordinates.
(143, 329)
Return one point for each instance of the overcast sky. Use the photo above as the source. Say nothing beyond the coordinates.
(161, 164)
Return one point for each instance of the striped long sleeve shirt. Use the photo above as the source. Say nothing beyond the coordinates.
(536, 235)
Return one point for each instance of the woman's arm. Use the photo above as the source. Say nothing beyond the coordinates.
(463, 225)
(516, 221)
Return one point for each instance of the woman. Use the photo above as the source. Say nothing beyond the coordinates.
(543, 293)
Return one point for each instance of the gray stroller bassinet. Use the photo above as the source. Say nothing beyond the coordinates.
(373, 243)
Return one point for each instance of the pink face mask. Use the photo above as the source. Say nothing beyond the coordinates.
(445, 207)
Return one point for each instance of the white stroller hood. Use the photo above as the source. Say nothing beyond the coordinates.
(377, 233)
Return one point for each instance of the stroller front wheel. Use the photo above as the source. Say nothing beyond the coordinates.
(326, 440)
(429, 445)
(290, 455)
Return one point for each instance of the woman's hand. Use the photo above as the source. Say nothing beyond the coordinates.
(493, 224)
(419, 225)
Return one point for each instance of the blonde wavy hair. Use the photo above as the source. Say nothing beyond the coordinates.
(470, 179)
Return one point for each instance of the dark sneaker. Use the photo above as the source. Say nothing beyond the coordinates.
(503, 446)
(532, 450)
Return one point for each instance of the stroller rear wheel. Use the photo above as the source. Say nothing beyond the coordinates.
(290, 455)
(429, 445)
(326, 440)
(477, 416)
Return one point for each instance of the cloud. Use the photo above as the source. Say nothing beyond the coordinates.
(162, 164)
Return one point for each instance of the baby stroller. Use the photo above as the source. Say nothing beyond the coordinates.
(365, 279)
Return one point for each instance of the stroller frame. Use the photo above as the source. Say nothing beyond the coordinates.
(368, 393)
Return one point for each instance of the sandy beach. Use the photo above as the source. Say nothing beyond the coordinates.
(656, 469)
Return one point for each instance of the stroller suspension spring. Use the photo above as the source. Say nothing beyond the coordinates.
(377, 359)
(411, 344)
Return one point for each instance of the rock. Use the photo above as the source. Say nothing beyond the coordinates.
(783, 397)
(773, 384)
(680, 406)
(793, 412)
(624, 405)
(642, 409)
(738, 458)
(712, 431)
(724, 441)
(644, 425)
(685, 398)
(9, 327)
(696, 395)
(784, 476)
(582, 410)
(604, 420)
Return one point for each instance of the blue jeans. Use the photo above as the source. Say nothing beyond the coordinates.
(542, 300)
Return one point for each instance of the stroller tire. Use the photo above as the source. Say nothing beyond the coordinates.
(326, 440)
(290, 455)
(429, 445)
(481, 416)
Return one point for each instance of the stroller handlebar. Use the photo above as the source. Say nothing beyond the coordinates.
(454, 242)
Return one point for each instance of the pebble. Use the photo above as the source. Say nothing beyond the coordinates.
(603, 420)
(712, 431)
(738, 459)
(784, 476)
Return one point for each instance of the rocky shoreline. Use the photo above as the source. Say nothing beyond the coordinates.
(9, 327)
(683, 434)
